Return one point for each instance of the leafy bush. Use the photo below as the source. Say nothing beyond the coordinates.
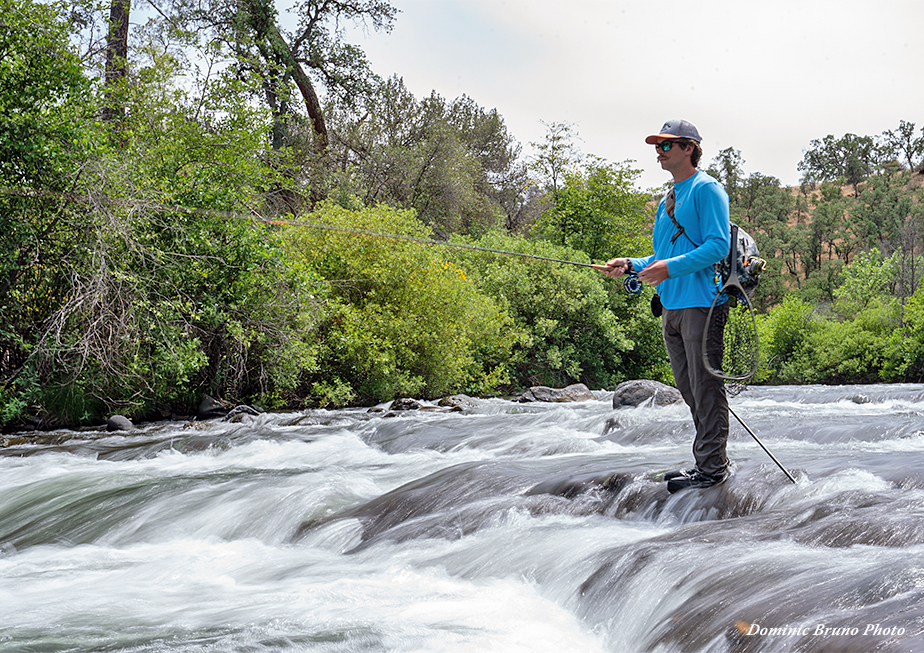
(404, 319)
(783, 333)
(573, 324)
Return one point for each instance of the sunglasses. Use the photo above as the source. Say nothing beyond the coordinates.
(665, 146)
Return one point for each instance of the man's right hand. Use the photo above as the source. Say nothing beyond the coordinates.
(614, 268)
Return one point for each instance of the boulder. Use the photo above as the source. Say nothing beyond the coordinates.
(210, 408)
(636, 393)
(457, 402)
(119, 423)
(574, 392)
(405, 404)
(239, 413)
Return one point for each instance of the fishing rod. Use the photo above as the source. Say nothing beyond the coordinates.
(423, 241)
(631, 284)
(75, 197)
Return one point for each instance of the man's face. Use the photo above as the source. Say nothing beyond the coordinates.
(673, 157)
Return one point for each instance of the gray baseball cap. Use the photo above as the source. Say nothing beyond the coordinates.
(674, 129)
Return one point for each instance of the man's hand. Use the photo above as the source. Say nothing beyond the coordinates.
(614, 268)
(655, 273)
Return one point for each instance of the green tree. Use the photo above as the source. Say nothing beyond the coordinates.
(453, 162)
(850, 158)
(870, 277)
(598, 211)
(906, 345)
(45, 143)
(904, 141)
(573, 325)
(289, 62)
(882, 209)
(555, 156)
(727, 167)
(783, 334)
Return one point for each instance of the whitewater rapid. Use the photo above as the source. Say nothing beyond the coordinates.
(506, 527)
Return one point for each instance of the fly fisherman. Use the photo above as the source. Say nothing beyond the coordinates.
(691, 233)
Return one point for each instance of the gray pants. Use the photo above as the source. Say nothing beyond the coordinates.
(702, 392)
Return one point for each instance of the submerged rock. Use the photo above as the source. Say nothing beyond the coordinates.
(241, 413)
(636, 393)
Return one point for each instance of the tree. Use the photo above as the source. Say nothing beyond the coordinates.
(454, 162)
(903, 140)
(555, 156)
(45, 142)
(763, 207)
(827, 224)
(851, 158)
(882, 209)
(727, 168)
(116, 56)
(598, 210)
(286, 62)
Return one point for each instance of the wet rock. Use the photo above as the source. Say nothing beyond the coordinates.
(457, 402)
(612, 424)
(574, 392)
(241, 413)
(119, 423)
(636, 393)
(405, 404)
(210, 408)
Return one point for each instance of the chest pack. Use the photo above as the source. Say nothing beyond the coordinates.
(750, 265)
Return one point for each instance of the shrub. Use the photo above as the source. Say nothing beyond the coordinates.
(574, 324)
(404, 318)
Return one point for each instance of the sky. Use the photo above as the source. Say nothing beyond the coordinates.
(765, 78)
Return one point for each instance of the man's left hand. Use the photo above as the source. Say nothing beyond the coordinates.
(655, 273)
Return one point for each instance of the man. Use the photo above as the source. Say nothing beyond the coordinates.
(691, 233)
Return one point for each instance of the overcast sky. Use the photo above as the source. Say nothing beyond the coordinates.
(763, 77)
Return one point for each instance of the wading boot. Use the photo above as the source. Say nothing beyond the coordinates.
(695, 480)
(679, 473)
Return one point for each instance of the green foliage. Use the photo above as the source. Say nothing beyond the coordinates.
(850, 158)
(44, 143)
(868, 278)
(903, 142)
(906, 345)
(782, 334)
(44, 95)
(573, 325)
(882, 210)
(405, 319)
(799, 346)
(556, 156)
(599, 211)
(852, 351)
(453, 162)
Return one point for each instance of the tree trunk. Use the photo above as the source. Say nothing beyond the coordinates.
(116, 57)
(305, 87)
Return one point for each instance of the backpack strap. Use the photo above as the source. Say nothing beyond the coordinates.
(669, 201)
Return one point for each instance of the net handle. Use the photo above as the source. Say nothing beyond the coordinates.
(732, 285)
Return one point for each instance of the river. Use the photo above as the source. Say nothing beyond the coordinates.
(505, 527)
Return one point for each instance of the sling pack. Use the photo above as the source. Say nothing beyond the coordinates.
(750, 265)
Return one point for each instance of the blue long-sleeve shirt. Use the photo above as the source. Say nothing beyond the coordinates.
(702, 209)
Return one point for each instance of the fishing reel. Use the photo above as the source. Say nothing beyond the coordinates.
(632, 284)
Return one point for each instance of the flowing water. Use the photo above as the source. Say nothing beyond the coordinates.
(506, 527)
